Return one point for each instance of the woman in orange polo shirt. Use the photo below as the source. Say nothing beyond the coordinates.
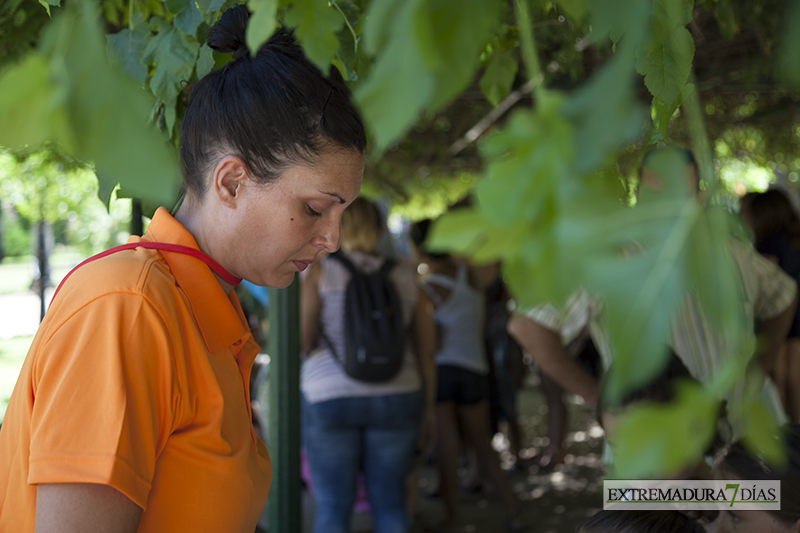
(131, 412)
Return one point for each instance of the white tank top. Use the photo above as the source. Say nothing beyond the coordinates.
(461, 317)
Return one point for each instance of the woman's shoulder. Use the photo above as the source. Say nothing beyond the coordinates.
(139, 273)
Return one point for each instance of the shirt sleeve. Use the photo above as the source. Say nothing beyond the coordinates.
(103, 403)
(775, 290)
(569, 320)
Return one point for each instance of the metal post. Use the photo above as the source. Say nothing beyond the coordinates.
(284, 409)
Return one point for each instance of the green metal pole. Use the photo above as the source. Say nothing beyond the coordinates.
(284, 409)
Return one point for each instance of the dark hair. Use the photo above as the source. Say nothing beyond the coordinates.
(272, 110)
(773, 214)
(741, 464)
(640, 522)
(419, 234)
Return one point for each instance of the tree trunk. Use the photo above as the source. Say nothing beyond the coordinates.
(137, 222)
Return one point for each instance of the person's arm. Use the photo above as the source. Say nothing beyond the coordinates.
(84, 508)
(310, 306)
(546, 348)
(424, 335)
(771, 334)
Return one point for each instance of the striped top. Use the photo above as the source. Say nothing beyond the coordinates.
(701, 346)
(322, 377)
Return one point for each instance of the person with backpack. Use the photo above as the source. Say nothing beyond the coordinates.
(131, 411)
(368, 383)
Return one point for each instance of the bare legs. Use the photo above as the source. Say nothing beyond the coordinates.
(553, 454)
(474, 420)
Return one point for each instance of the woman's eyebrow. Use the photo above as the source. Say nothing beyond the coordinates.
(341, 200)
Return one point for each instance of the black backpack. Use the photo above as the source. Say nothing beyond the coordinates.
(373, 325)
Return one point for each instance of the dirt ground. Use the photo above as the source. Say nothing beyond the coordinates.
(556, 501)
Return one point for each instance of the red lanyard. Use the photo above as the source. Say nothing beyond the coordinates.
(177, 248)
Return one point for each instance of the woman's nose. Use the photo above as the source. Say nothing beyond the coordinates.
(328, 239)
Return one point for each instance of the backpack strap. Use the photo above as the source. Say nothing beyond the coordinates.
(387, 266)
(167, 247)
(350, 267)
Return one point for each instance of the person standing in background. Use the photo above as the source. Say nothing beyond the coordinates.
(350, 424)
(776, 236)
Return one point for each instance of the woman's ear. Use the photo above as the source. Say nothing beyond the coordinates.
(228, 180)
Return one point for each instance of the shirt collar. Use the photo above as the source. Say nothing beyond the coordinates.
(219, 316)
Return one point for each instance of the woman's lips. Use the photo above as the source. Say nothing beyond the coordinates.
(301, 265)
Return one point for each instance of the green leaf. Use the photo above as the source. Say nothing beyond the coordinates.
(788, 57)
(174, 54)
(613, 18)
(347, 53)
(525, 163)
(126, 49)
(720, 294)
(459, 231)
(605, 113)
(262, 23)
(763, 435)
(656, 440)
(499, 76)
(31, 108)
(459, 41)
(399, 85)
(379, 25)
(114, 137)
(667, 65)
(48, 3)
(106, 186)
(187, 15)
(575, 9)
(316, 25)
(638, 267)
(662, 113)
(209, 6)
(205, 61)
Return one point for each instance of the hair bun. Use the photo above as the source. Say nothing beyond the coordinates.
(228, 34)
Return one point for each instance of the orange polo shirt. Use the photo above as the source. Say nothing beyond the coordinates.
(138, 378)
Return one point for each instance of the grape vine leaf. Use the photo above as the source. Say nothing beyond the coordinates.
(207, 7)
(399, 85)
(764, 436)
(174, 54)
(126, 49)
(114, 138)
(655, 440)
(459, 39)
(666, 65)
(262, 23)
(610, 18)
(575, 9)
(187, 15)
(48, 3)
(205, 61)
(31, 106)
(662, 113)
(316, 25)
(788, 57)
(499, 76)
